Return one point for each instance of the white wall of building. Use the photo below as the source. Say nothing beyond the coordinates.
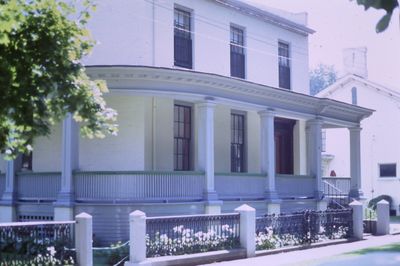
(138, 33)
(46, 155)
(379, 140)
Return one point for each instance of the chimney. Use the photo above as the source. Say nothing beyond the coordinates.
(355, 61)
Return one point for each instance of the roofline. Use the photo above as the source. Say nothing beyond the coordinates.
(267, 16)
(323, 104)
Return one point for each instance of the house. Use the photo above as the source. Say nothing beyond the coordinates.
(380, 154)
(213, 113)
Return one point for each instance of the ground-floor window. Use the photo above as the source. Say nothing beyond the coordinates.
(237, 142)
(284, 145)
(182, 137)
(387, 170)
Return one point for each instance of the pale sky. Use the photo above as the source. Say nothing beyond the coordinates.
(343, 24)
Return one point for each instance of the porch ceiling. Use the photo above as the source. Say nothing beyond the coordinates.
(162, 80)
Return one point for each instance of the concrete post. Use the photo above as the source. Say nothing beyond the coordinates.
(9, 197)
(137, 238)
(355, 163)
(247, 229)
(358, 227)
(314, 143)
(70, 160)
(383, 218)
(83, 239)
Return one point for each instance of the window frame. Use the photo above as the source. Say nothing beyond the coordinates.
(289, 64)
(386, 176)
(188, 166)
(188, 38)
(242, 166)
(241, 47)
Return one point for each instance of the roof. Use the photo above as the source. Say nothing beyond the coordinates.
(348, 78)
(280, 18)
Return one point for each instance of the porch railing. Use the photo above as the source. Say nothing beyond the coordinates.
(237, 186)
(138, 186)
(297, 186)
(340, 183)
(33, 186)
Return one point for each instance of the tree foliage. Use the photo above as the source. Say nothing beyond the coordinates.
(321, 77)
(387, 5)
(41, 76)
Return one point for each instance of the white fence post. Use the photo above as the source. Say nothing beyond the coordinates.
(137, 238)
(83, 239)
(247, 229)
(358, 227)
(383, 219)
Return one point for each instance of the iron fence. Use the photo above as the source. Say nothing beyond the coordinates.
(273, 231)
(35, 242)
(176, 235)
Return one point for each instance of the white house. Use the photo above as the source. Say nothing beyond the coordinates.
(213, 113)
(380, 152)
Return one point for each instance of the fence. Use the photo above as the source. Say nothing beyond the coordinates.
(305, 227)
(177, 235)
(27, 240)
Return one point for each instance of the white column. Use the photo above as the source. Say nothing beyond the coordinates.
(314, 143)
(70, 161)
(137, 239)
(83, 239)
(205, 147)
(355, 162)
(267, 152)
(247, 229)
(383, 218)
(358, 229)
(9, 197)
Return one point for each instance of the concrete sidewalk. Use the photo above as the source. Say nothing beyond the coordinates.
(301, 257)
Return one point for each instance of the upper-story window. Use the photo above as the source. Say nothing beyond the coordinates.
(237, 142)
(354, 95)
(284, 65)
(182, 38)
(237, 53)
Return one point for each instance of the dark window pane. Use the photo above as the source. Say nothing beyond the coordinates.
(182, 137)
(387, 170)
(237, 53)
(284, 66)
(27, 161)
(237, 143)
(182, 39)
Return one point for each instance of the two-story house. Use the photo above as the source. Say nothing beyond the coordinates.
(213, 112)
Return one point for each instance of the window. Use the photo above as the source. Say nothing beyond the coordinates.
(27, 161)
(284, 66)
(387, 170)
(182, 137)
(237, 143)
(182, 39)
(354, 95)
(237, 53)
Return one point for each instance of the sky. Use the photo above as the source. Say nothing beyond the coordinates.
(343, 24)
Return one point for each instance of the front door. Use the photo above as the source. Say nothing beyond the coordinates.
(284, 145)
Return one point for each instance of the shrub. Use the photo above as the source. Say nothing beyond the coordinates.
(372, 203)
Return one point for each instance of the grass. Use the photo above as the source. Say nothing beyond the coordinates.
(387, 248)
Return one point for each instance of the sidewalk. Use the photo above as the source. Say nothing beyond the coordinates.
(302, 256)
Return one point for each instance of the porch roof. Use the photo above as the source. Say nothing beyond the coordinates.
(207, 85)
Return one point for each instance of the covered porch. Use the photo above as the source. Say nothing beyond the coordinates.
(270, 175)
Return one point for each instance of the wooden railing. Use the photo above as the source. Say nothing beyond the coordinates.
(33, 186)
(237, 186)
(340, 183)
(138, 186)
(295, 186)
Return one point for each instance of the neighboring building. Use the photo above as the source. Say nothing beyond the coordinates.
(380, 152)
(213, 113)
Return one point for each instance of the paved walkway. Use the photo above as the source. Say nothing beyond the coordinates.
(304, 257)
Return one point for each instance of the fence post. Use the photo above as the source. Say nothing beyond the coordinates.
(383, 219)
(83, 239)
(137, 238)
(247, 229)
(358, 229)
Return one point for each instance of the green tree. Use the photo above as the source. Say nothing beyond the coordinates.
(41, 76)
(321, 77)
(387, 5)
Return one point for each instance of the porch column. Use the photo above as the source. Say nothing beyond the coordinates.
(9, 198)
(205, 153)
(64, 206)
(267, 158)
(314, 142)
(355, 163)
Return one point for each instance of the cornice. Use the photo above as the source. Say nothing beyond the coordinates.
(213, 85)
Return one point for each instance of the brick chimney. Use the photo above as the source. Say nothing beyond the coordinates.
(355, 61)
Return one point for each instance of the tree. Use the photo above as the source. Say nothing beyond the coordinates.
(387, 5)
(321, 77)
(41, 76)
